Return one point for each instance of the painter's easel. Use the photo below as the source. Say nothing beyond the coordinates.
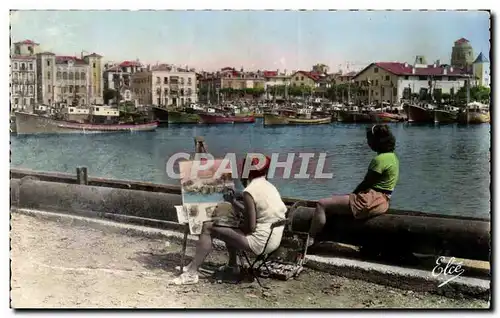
(199, 147)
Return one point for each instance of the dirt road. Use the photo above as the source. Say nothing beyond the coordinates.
(56, 264)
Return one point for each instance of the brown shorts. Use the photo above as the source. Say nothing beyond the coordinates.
(368, 203)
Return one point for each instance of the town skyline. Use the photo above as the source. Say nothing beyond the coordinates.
(210, 40)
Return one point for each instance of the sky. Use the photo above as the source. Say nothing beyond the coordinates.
(255, 40)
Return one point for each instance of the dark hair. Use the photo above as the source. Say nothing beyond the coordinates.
(381, 139)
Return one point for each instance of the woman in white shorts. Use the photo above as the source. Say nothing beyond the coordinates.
(262, 206)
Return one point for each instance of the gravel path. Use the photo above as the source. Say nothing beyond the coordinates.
(60, 265)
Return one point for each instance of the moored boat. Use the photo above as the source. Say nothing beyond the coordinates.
(385, 117)
(478, 113)
(446, 115)
(218, 118)
(27, 124)
(182, 117)
(352, 114)
(290, 117)
(160, 114)
(422, 113)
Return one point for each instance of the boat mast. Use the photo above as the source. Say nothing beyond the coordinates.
(467, 86)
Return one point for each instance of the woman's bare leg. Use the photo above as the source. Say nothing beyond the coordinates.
(337, 204)
(234, 239)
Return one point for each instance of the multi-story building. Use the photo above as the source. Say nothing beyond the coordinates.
(462, 54)
(69, 80)
(481, 71)
(392, 81)
(117, 78)
(212, 85)
(23, 75)
(304, 78)
(164, 85)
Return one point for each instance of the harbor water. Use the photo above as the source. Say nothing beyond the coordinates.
(443, 169)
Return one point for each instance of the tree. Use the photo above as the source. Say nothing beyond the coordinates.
(110, 94)
(476, 93)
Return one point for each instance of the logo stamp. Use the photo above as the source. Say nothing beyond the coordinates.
(450, 270)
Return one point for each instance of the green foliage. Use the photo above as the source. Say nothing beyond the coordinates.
(476, 93)
(110, 94)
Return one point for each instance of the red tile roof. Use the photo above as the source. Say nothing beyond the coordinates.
(65, 59)
(26, 42)
(94, 55)
(402, 69)
(129, 63)
(270, 73)
(461, 40)
(312, 75)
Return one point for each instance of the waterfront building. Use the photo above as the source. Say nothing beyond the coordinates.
(462, 54)
(481, 71)
(69, 80)
(344, 78)
(213, 85)
(117, 76)
(23, 76)
(304, 78)
(164, 85)
(392, 81)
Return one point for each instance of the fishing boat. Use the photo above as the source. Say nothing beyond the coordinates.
(387, 114)
(420, 113)
(160, 114)
(476, 113)
(446, 115)
(27, 124)
(221, 118)
(353, 114)
(290, 117)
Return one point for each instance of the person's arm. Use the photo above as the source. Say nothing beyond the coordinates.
(250, 219)
(370, 179)
(374, 173)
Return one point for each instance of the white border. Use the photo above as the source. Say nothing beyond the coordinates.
(214, 4)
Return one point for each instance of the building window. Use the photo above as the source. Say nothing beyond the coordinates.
(70, 75)
(376, 82)
(48, 75)
(422, 78)
(182, 80)
(190, 91)
(71, 110)
(30, 66)
(70, 89)
(93, 65)
(65, 75)
(48, 63)
(14, 76)
(32, 101)
(48, 89)
(375, 70)
(438, 78)
(30, 89)
(16, 101)
(302, 78)
(387, 77)
(406, 77)
(25, 101)
(77, 76)
(23, 67)
(165, 92)
(15, 66)
(158, 80)
(189, 81)
(165, 80)
(58, 75)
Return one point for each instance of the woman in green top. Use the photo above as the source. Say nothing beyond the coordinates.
(371, 197)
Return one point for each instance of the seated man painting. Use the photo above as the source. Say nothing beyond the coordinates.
(262, 206)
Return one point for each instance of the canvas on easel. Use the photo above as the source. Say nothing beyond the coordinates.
(203, 193)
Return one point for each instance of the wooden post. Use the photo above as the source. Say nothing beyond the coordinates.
(81, 176)
(199, 147)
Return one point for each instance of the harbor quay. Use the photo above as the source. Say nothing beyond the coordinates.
(246, 167)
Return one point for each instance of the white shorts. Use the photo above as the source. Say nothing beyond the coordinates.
(257, 240)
